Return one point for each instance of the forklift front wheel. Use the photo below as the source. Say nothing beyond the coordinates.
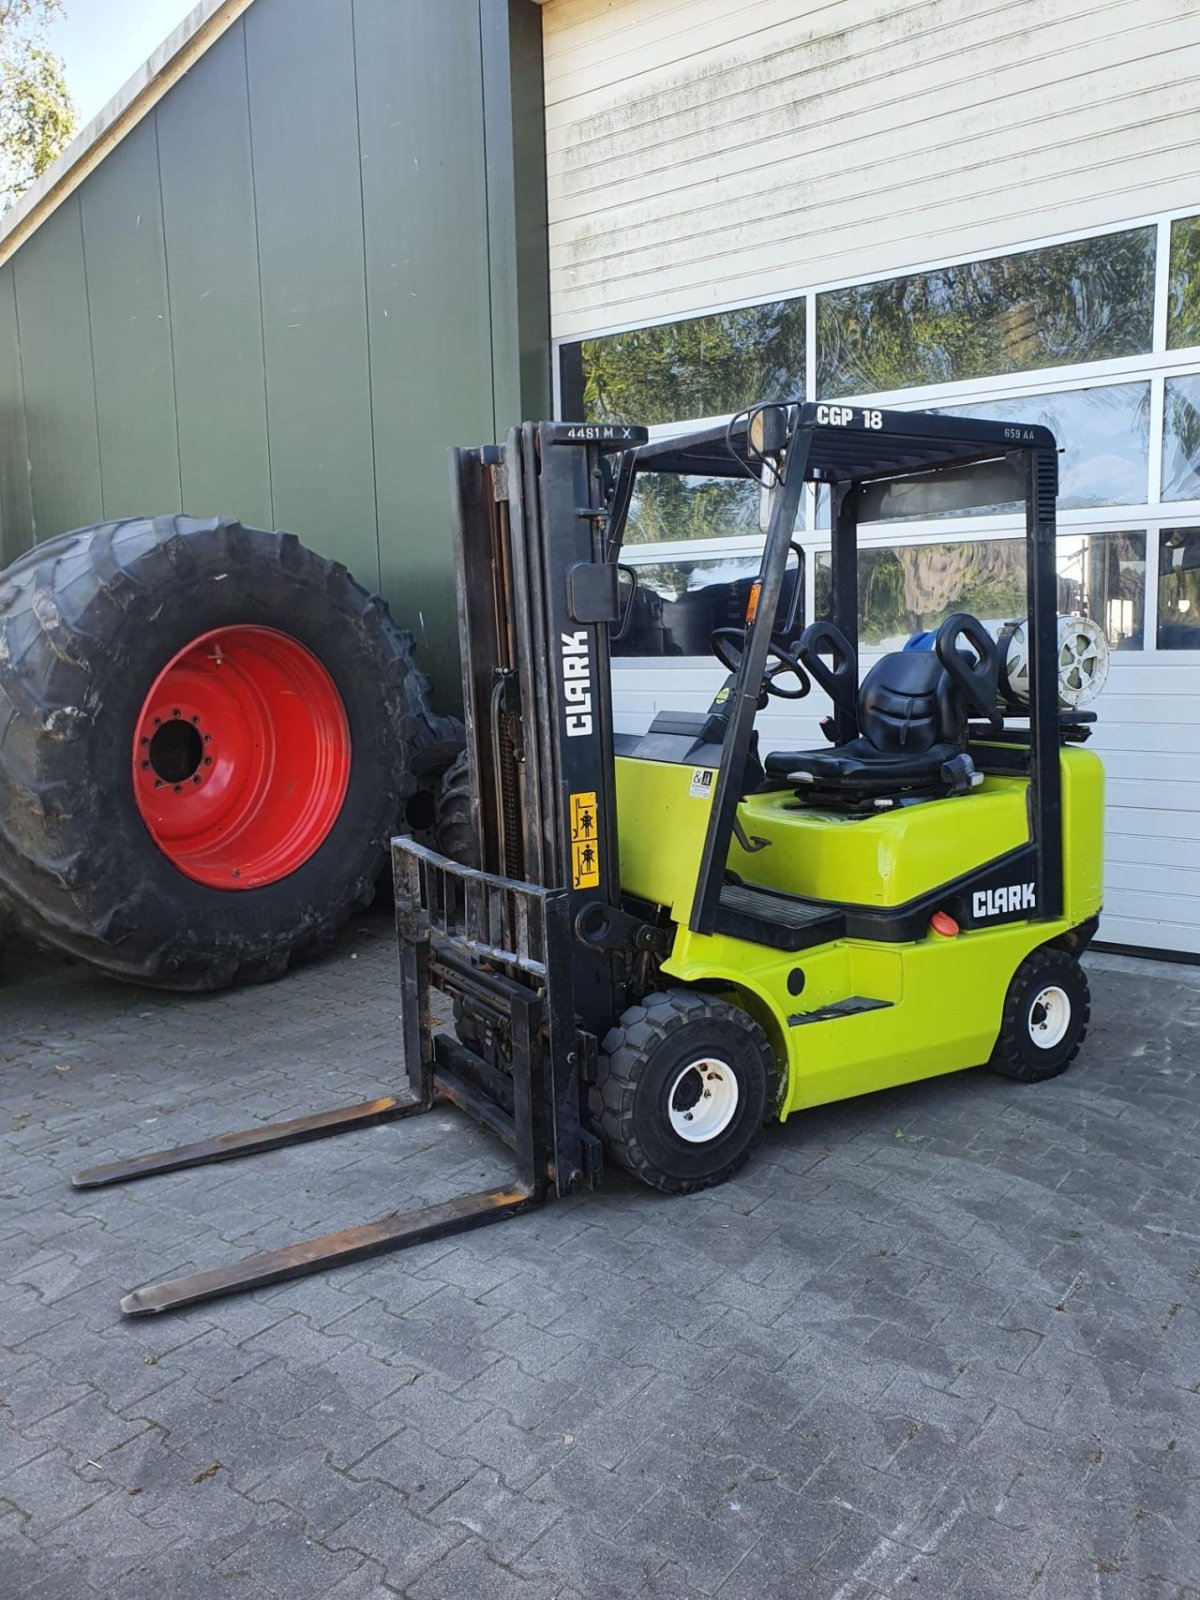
(1045, 1017)
(685, 1085)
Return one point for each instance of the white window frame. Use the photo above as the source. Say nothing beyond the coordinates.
(1157, 366)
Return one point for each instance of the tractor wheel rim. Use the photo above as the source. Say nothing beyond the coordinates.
(1049, 1017)
(241, 757)
(702, 1100)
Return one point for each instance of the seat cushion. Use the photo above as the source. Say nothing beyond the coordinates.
(860, 763)
(907, 704)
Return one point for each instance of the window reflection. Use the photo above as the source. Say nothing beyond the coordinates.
(1104, 435)
(1104, 439)
(666, 507)
(1179, 589)
(703, 367)
(1181, 439)
(1090, 300)
(907, 589)
(678, 604)
(1103, 576)
(1183, 302)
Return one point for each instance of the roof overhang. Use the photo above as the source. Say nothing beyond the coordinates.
(199, 30)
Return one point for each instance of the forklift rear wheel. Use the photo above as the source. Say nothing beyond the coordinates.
(685, 1085)
(1045, 1017)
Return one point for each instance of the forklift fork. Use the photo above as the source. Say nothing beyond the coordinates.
(449, 919)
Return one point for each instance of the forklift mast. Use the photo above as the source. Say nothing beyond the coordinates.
(536, 599)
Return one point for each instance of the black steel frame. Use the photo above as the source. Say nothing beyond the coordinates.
(848, 447)
(448, 917)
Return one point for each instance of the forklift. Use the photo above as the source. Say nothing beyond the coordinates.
(670, 940)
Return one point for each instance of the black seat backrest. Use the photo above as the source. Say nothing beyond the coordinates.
(908, 703)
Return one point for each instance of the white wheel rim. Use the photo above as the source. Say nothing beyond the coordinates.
(702, 1100)
(1049, 1017)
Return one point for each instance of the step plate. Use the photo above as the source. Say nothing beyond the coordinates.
(780, 921)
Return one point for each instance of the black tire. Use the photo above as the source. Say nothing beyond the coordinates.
(455, 828)
(646, 1061)
(1045, 1018)
(86, 625)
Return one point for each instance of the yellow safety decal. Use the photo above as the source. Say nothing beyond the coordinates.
(585, 845)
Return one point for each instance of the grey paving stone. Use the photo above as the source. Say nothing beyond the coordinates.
(404, 1545)
(289, 1562)
(470, 1570)
(760, 1391)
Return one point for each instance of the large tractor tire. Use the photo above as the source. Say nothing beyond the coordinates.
(207, 735)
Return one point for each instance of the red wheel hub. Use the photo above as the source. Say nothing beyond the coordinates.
(241, 757)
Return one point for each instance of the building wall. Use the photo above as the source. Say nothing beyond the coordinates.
(287, 291)
(715, 154)
(723, 151)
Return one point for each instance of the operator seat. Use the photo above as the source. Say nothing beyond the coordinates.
(911, 713)
(911, 722)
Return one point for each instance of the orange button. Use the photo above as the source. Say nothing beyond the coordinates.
(942, 922)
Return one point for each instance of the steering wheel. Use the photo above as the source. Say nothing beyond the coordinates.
(728, 645)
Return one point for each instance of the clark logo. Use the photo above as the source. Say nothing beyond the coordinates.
(1004, 901)
(577, 683)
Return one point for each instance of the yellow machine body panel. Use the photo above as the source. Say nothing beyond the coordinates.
(883, 859)
(938, 1000)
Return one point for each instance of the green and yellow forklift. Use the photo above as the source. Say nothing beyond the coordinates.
(668, 940)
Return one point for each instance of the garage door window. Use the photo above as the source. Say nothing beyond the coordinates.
(910, 588)
(1183, 304)
(701, 367)
(1179, 589)
(1090, 300)
(666, 508)
(1181, 439)
(678, 604)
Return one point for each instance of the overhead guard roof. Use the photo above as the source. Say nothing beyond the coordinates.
(850, 443)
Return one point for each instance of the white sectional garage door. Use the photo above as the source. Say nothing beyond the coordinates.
(936, 204)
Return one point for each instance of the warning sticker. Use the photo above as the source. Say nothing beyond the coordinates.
(585, 846)
(701, 785)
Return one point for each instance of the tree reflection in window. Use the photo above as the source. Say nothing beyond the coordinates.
(666, 507)
(1181, 439)
(703, 367)
(1103, 433)
(1183, 294)
(907, 589)
(1090, 300)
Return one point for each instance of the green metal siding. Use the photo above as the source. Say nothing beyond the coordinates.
(207, 174)
(282, 296)
(16, 506)
(126, 265)
(58, 380)
(429, 311)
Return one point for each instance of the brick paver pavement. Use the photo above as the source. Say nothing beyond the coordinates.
(938, 1342)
